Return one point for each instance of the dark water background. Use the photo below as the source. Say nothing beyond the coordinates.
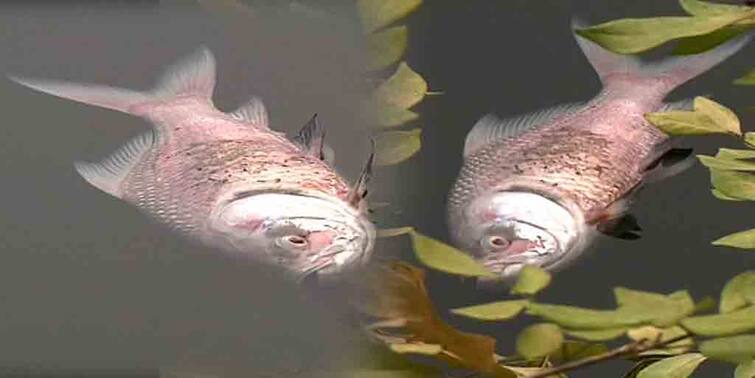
(88, 284)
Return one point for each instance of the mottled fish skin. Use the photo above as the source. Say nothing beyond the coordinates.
(591, 157)
(585, 160)
(227, 179)
(211, 156)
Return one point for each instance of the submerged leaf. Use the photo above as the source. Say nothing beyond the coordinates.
(404, 89)
(382, 115)
(496, 311)
(634, 35)
(531, 280)
(742, 239)
(718, 194)
(735, 349)
(730, 323)
(393, 147)
(539, 340)
(673, 367)
(376, 14)
(745, 370)
(662, 310)
(748, 79)
(386, 47)
(736, 292)
(443, 257)
(597, 335)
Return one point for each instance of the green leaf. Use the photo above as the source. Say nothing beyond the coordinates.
(719, 114)
(531, 280)
(718, 194)
(750, 139)
(705, 42)
(597, 334)
(383, 115)
(386, 47)
(745, 370)
(376, 14)
(573, 350)
(662, 334)
(706, 304)
(393, 232)
(708, 117)
(634, 35)
(730, 323)
(661, 310)
(748, 79)
(417, 348)
(728, 153)
(735, 293)
(704, 8)
(673, 367)
(393, 147)
(539, 340)
(495, 311)
(404, 89)
(739, 185)
(735, 349)
(443, 257)
(583, 318)
(742, 239)
(726, 164)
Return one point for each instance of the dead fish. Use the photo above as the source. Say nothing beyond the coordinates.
(534, 189)
(227, 179)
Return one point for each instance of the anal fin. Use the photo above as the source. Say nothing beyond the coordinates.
(624, 227)
(108, 174)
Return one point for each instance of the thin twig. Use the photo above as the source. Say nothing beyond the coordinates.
(630, 349)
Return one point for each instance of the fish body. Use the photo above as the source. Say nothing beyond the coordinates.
(533, 189)
(227, 179)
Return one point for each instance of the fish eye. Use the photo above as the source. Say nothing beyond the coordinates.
(293, 241)
(497, 242)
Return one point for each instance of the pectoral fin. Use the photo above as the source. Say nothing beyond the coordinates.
(671, 163)
(624, 227)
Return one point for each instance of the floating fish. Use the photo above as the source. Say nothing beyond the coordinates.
(534, 189)
(227, 179)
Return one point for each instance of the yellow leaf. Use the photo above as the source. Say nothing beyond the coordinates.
(376, 14)
(719, 114)
(404, 89)
(742, 239)
(393, 147)
(417, 348)
(496, 311)
(748, 79)
(443, 257)
(386, 47)
(539, 340)
(531, 280)
(704, 8)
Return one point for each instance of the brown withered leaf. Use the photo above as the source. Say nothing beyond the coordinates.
(396, 295)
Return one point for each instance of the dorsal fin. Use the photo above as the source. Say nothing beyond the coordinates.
(311, 138)
(490, 128)
(252, 112)
(193, 75)
(358, 192)
(108, 174)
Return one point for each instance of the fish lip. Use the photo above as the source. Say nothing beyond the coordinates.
(499, 265)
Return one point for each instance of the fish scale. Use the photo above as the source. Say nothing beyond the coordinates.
(533, 188)
(226, 178)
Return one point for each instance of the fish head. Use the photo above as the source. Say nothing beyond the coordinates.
(303, 234)
(507, 230)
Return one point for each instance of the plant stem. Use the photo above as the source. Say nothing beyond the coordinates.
(626, 350)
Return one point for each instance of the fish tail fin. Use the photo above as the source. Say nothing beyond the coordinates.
(191, 76)
(619, 72)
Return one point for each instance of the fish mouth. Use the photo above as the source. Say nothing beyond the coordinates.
(507, 266)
